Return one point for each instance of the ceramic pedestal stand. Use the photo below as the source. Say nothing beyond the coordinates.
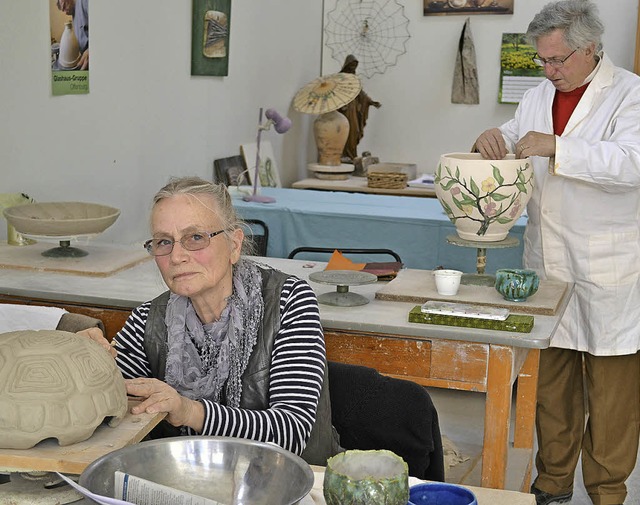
(64, 248)
(343, 279)
(480, 278)
(336, 173)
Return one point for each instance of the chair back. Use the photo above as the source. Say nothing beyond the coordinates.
(259, 235)
(371, 411)
(313, 252)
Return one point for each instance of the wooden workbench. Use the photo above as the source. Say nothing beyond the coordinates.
(377, 334)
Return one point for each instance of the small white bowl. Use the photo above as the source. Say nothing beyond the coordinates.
(447, 281)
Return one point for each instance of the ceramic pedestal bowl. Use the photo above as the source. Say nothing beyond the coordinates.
(61, 221)
(224, 469)
(483, 198)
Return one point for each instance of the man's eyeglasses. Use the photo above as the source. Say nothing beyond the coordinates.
(191, 242)
(554, 62)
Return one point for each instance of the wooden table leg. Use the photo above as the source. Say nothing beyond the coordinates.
(526, 407)
(497, 417)
(526, 401)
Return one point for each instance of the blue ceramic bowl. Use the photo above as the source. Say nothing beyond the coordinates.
(516, 284)
(440, 493)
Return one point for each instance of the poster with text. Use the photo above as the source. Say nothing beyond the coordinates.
(69, 27)
(518, 72)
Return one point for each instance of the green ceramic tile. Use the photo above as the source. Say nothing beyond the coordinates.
(515, 322)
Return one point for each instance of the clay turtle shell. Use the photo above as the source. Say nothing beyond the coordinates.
(56, 384)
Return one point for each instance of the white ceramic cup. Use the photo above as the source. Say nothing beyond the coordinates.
(447, 281)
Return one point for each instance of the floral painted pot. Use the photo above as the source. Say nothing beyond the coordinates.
(483, 198)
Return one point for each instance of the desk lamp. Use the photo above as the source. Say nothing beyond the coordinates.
(280, 125)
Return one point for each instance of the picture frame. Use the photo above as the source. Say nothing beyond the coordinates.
(466, 7)
(210, 29)
(231, 171)
(268, 173)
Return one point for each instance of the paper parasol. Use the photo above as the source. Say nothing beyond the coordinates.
(327, 93)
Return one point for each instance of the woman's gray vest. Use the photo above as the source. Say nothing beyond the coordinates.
(323, 441)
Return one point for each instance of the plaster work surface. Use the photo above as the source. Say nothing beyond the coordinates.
(103, 260)
(418, 286)
(55, 384)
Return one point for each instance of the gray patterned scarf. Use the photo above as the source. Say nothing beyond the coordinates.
(204, 359)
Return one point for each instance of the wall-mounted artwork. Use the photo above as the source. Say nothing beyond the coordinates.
(231, 171)
(69, 28)
(268, 174)
(210, 28)
(445, 7)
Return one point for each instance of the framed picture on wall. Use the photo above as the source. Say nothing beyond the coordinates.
(231, 171)
(210, 28)
(268, 174)
(445, 7)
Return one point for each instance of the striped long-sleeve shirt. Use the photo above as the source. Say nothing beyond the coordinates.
(296, 374)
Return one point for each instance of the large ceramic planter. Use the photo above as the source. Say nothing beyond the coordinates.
(483, 198)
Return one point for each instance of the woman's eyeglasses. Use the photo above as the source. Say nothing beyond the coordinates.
(553, 62)
(191, 242)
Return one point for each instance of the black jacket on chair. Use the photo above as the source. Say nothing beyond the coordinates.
(372, 411)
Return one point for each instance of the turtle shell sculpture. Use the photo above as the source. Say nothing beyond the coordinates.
(56, 384)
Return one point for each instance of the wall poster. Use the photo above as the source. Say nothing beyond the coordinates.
(69, 32)
(210, 25)
(518, 72)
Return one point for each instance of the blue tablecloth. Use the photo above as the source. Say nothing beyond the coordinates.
(416, 228)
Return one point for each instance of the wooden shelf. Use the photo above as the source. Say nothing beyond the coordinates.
(359, 185)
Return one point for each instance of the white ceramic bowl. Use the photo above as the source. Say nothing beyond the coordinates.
(447, 281)
(61, 219)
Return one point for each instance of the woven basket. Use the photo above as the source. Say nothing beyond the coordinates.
(390, 180)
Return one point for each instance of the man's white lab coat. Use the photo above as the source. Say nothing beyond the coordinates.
(584, 222)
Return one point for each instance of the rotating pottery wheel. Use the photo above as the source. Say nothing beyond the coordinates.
(343, 279)
(61, 222)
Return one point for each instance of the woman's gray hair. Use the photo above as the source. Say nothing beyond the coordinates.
(578, 19)
(194, 186)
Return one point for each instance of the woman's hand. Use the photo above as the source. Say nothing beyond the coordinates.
(158, 396)
(491, 145)
(96, 335)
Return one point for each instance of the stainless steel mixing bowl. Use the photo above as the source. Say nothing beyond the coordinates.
(228, 470)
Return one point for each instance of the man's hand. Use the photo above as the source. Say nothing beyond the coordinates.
(158, 396)
(536, 144)
(84, 60)
(491, 145)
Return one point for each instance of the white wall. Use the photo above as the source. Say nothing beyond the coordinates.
(417, 121)
(146, 117)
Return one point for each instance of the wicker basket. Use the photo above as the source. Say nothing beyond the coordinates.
(387, 180)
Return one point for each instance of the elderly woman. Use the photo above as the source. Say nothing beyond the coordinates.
(234, 348)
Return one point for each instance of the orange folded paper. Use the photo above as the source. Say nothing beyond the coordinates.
(339, 262)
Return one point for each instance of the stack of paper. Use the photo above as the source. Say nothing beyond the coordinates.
(424, 181)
